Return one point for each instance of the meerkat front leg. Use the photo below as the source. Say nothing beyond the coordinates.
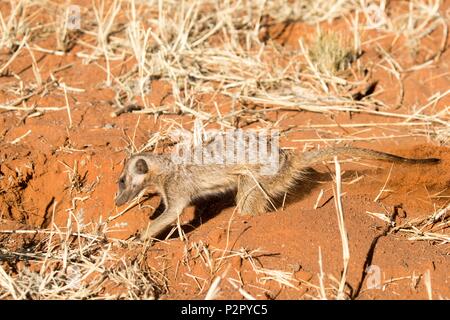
(250, 199)
(174, 208)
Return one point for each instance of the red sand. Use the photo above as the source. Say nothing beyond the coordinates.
(35, 178)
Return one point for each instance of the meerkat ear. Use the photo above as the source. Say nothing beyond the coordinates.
(141, 167)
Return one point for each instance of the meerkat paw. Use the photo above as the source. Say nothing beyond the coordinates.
(143, 237)
(148, 233)
(251, 209)
(247, 213)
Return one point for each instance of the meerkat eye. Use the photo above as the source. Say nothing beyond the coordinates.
(141, 167)
(122, 183)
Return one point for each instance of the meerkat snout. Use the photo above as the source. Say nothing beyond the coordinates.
(132, 181)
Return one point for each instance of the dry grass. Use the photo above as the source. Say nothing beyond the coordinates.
(65, 263)
(330, 53)
(206, 50)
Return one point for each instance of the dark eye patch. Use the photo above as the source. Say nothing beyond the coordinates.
(141, 167)
(122, 183)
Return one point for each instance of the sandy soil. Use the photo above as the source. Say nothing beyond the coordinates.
(39, 154)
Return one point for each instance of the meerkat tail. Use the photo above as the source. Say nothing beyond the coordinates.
(312, 157)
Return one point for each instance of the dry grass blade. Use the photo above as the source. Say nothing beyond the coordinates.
(429, 228)
(214, 289)
(322, 292)
(343, 232)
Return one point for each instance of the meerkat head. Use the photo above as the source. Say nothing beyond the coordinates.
(135, 177)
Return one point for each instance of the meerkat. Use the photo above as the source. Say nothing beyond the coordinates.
(179, 185)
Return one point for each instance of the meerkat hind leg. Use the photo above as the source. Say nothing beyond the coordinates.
(250, 199)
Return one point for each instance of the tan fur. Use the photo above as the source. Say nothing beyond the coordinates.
(180, 185)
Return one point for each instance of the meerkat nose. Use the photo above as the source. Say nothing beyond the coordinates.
(119, 202)
(119, 199)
